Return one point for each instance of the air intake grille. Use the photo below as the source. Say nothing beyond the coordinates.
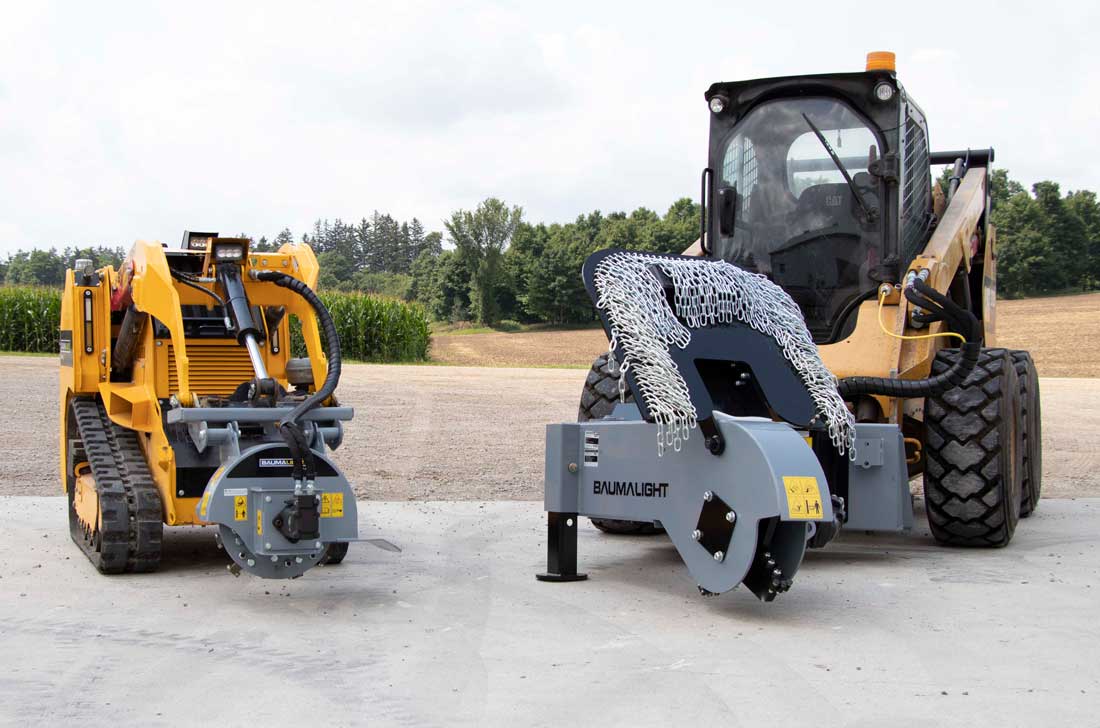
(215, 368)
(916, 207)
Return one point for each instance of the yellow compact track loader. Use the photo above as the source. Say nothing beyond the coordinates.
(836, 297)
(180, 404)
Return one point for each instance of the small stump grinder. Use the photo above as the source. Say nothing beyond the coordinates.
(828, 337)
(181, 405)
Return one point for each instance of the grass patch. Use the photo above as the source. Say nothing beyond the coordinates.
(49, 354)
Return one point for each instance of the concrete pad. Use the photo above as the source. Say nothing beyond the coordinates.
(456, 630)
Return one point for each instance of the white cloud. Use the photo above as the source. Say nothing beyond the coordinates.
(140, 120)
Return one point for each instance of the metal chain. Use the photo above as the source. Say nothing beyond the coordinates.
(707, 293)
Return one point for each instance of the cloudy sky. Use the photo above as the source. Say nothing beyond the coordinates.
(124, 121)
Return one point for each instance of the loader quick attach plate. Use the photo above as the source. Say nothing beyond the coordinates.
(249, 498)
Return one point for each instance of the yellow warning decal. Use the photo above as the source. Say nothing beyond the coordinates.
(240, 508)
(259, 522)
(803, 497)
(332, 505)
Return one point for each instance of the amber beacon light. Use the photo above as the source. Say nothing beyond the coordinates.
(881, 61)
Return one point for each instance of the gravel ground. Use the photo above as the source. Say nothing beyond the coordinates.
(469, 433)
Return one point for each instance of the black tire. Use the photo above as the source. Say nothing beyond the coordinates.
(974, 455)
(598, 400)
(1031, 418)
(601, 391)
(334, 554)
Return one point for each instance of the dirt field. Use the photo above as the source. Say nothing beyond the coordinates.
(464, 433)
(1062, 333)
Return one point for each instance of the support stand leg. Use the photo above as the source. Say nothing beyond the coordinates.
(561, 548)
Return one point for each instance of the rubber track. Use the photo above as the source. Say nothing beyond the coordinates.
(964, 484)
(132, 521)
(598, 399)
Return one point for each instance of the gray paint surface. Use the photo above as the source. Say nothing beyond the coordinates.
(748, 476)
(457, 631)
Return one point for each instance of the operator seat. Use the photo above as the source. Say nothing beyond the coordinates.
(824, 206)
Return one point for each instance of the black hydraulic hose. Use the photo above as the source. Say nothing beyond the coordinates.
(290, 428)
(191, 283)
(928, 298)
(293, 436)
(332, 377)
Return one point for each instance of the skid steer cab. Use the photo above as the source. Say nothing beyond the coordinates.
(830, 335)
(181, 404)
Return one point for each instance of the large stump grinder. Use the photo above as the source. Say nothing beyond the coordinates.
(181, 405)
(830, 336)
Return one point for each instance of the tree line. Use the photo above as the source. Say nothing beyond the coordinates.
(497, 266)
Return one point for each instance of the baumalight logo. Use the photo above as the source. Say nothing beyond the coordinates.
(637, 489)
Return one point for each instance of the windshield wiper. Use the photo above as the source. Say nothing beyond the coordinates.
(839, 165)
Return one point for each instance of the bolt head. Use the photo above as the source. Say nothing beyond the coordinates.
(297, 559)
(180, 493)
(274, 559)
(708, 496)
(731, 516)
(267, 545)
(696, 535)
(569, 522)
(719, 555)
(317, 545)
(267, 498)
(251, 562)
(572, 467)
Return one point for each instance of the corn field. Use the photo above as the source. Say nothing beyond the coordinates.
(29, 318)
(374, 328)
(371, 328)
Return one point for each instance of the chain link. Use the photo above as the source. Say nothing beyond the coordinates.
(707, 293)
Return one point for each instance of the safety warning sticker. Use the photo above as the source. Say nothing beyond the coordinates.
(332, 505)
(240, 508)
(803, 497)
(259, 522)
(591, 449)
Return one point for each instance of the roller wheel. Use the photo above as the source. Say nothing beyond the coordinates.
(598, 400)
(1031, 417)
(334, 554)
(974, 449)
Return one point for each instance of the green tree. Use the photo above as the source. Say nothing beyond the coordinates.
(480, 238)
(336, 270)
(1084, 206)
(554, 288)
(36, 267)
